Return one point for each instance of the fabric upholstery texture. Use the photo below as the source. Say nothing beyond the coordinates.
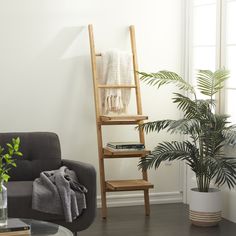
(41, 151)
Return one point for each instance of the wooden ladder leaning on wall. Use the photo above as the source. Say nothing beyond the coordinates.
(103, 152)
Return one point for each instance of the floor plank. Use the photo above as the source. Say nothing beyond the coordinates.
(165, 220)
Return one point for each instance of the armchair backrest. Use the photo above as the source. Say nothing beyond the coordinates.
(41, 151)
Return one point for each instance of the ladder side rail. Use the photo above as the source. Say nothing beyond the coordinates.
(135, 68)
(94, 72)
(139, 109)
(98, 123)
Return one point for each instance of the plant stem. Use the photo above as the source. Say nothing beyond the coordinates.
(201, 162)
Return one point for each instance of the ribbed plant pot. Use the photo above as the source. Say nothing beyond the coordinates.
(205, 208)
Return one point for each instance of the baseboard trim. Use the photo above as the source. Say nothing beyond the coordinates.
(134, 199)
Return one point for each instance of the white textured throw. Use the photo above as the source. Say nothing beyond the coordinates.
(117, 69)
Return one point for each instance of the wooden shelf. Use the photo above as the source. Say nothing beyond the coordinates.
(130, 117)
(119, 120)
(110, 153)
(128, 185)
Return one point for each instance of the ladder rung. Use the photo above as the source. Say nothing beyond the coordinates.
(111, 153)
(124, 118)
(98, 54)
(120, 122)
(128, 185)
(116, 86)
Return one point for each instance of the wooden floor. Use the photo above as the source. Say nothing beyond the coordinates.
(165, 220)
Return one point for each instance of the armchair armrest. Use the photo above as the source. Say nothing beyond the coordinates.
(86, 174)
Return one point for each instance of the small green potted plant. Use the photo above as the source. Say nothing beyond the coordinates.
(6, 163)
(206, 133)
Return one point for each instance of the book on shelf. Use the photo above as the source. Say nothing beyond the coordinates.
(124, 149)
(15, 227)
(16, 233)
(126, 145)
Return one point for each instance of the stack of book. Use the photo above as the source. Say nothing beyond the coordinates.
(15, 227)
(126, 146)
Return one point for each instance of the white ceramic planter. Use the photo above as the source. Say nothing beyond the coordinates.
(205, 208)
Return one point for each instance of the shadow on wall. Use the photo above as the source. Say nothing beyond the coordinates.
(61, 82)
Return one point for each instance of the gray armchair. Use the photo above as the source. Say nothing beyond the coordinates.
(41, 151)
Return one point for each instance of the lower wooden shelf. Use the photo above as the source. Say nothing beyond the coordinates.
(111, 153)
(128, 185)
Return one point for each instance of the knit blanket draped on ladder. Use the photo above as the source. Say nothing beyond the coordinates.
(117, 69)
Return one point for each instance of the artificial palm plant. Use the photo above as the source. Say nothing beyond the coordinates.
(206, 131)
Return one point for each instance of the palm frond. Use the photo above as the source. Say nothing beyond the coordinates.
(155, 126)
(181, 126)
(185, 104)
(166, 77)
(230, 135)
(167, 151)
(184, 126)
(211, 134)
(204, 106)
(196, 108)
(209, 83)
(223, 170)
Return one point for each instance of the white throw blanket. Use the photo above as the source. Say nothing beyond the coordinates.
(117, 69)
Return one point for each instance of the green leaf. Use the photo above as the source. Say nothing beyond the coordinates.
(9, 145)
(5, 177)
(18, 154)
(18, 140)
(1, 149)
(13, 164)
(6, 156)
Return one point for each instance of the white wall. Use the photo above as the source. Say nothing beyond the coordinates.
(229, 196)
(46, 82)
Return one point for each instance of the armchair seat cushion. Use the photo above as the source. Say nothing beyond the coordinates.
(20, 202)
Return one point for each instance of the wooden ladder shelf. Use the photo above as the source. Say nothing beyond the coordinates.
(104, 152)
